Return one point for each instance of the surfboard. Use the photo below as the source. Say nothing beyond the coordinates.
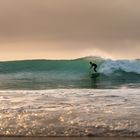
(95, 75)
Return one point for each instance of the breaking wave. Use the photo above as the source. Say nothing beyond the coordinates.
(42, 74)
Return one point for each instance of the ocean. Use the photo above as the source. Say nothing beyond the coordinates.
(51, 74)
(61, 98)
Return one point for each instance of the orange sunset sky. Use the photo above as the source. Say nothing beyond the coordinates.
(65, 29)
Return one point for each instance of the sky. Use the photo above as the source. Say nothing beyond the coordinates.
(66, 29)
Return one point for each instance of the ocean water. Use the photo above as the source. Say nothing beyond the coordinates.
(50, 74)
(60, 98)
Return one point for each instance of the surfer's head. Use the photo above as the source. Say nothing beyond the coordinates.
(90, 62)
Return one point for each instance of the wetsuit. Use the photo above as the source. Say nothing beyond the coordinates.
(93, 65)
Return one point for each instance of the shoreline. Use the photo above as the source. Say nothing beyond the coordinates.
(69, 138)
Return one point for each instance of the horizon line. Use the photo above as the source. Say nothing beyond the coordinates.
(67, 59)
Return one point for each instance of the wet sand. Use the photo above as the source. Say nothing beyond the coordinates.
(69, 138)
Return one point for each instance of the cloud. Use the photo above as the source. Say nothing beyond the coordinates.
(70, 20)
(111, 26)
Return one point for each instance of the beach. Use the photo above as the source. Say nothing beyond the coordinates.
(68, 138)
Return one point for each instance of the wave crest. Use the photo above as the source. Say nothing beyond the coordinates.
(130, 66)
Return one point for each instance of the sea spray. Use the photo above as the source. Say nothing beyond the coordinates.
(128, 66)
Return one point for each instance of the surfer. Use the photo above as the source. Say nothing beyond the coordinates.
(93, 65)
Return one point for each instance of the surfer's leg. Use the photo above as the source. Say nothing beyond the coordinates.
(95, 68)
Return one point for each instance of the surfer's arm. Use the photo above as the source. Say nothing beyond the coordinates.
(91, 67)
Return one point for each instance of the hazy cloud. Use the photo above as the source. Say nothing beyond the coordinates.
(111, 26)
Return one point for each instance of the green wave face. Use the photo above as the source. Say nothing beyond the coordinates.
(77, 65)
(47, 74)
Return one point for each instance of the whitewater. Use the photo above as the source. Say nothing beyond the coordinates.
(70, 112)
(60, 98)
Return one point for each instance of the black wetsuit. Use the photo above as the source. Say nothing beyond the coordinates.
(93, 65)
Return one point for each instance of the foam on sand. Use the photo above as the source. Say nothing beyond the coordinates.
(70, 112)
